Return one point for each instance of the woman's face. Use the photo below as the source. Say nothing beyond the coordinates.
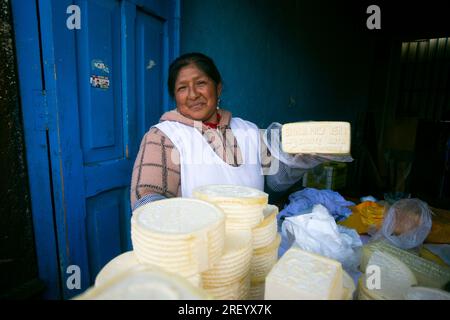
(196, 94)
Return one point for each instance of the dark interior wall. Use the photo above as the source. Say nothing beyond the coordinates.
(284, 60)
(18, 267)
(294, 60)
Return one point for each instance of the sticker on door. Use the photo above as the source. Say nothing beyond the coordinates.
(101, 82)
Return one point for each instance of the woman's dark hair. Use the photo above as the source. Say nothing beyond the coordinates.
(201, 61)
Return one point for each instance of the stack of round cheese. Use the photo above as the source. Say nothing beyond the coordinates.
(265, 251)
(264, 259)
(256, 290)
(184, 236)
(243, 206)
(265, 233)
(126, 261)
(226, 277)
(238, 290)
(244, 288)
(144, 282)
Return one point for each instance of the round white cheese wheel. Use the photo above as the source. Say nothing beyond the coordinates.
(236, 290)
(231, 194)
(395, 277)
(424, 293)
(256, 291)
(145, 283)
(178, 217)
(184, 236)
(242, 206)
(264, 259)
(265, 233)
(235, 261)
(116, 266)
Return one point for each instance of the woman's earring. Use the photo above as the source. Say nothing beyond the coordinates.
(218, 103)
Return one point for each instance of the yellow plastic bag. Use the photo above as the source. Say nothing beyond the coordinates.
(365, 216)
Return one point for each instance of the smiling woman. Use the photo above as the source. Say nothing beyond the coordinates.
(195, 84)
(199, 144)
(196, 94)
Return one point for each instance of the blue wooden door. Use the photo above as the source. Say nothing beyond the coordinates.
(150, 79)
(104, 88)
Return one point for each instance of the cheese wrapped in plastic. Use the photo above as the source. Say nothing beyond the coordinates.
(326, 137)
(428, 273)
(395, 278)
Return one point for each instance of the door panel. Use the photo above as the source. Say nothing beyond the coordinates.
(103, 117)
(101, 121)
(99, 55)
(149, 70)
(107, 226)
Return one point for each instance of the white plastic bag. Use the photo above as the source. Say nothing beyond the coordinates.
(318, 232)
(406, 224)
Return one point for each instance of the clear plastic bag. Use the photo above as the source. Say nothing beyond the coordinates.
(406, 224)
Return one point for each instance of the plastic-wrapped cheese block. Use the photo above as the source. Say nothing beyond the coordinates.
(395, 277)
(145, 283)
(264, 259)
(327, 137)
(423, 293)
(428, 273)
(185, 236)
(265, 233)
(234, 263)
(243, 206)
(301, 275)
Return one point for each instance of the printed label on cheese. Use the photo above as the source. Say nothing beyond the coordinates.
(301, 275)
(326, 137)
